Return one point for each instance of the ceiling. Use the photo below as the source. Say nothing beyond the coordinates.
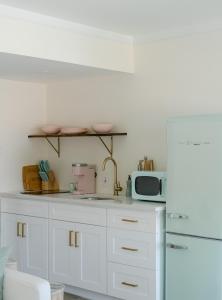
(23, 68)
(131, 17)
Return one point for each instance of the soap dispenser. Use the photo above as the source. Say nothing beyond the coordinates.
(129, 187)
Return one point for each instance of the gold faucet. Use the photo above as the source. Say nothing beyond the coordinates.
(117, 187)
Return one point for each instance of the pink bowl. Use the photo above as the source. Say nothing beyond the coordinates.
(73, 130)
(50, 129)
(102, 127)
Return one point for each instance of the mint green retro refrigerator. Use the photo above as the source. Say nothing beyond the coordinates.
(194, 208)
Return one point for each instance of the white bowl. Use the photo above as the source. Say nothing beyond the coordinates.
(50, 129)
(102, 127)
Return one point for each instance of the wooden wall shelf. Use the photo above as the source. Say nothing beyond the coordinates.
(76, 135)
(58, 136)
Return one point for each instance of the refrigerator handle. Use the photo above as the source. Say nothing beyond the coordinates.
(176, 247)
(177, 216)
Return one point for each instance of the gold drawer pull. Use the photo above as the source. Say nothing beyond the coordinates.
(71, 238)
(129, 284)
(130, 221)
(19, 229)
(76, 239)
(130, 249)
(23, 230)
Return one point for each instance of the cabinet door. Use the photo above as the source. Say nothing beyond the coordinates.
(28, 239)
(91, 243)
(34, 246)
(9, 235)
(78, 255)
(63, 257)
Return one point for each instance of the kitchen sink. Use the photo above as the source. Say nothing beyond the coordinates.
(96, 198)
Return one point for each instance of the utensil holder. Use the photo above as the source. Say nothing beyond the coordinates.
(51, 184)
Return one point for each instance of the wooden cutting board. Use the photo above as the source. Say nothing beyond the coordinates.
(31, 178)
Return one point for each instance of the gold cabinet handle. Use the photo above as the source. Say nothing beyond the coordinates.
(71, 238)
(130, 221)
(23, 230)
(19, 229)
(129, 284)
(76, 239)
(130, 249)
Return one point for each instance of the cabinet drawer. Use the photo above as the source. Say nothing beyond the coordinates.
(25, 207)
(132, 220)
(77, 213)
(131, 283)
(133, 248)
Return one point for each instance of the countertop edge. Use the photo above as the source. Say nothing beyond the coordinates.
(119, 202)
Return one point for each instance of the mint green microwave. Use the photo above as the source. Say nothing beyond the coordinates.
(149, 186)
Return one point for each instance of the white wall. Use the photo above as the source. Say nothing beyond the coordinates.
(22, 110)
(173, 77)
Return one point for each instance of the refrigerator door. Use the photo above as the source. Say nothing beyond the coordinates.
(194, 189)
(193, 268)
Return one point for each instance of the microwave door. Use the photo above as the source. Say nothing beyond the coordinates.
(148, 185)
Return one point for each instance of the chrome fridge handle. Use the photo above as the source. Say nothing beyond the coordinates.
(177, 216)
(176, 247)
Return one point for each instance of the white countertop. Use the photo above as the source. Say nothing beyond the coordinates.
(116, 202)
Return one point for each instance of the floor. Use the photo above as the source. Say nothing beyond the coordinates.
(71, 297)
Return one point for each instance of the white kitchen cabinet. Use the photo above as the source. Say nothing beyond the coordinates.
(26, 207)
(131, 283)
(28, 239)
(135, 220)
(35, 246)
(97, 251)
(63, 259)
(91, 241)
(9, 235)
(78, 255)
(77, 213)
(135, 254)
(133, 248)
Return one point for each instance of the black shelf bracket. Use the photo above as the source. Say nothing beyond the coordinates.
(108, 148)
(57, 147)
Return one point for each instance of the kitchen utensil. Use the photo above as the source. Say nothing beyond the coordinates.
(51, 129)
(31, 178)
(44, 166)
(73, 130)
(102, 127)
(41, 167)
(43, 176)
(51, 184)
